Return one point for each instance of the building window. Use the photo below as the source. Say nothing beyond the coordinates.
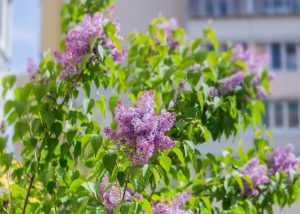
(278, 110)
(194, 7)
(293, 111)
(223, 7)
(291, 56)
(209, 6)
(276, 55)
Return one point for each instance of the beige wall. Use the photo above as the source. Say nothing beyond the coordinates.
(137, 14)
(50, 25)
(258, 29)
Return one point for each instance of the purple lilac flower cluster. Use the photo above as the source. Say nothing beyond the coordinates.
(256, 64)
(32, 69)
(78, 43)
(284, 160)
(168, 27)
(227, 84)
(141, 131)
(257, 173)
(175, 207)
(112, 195)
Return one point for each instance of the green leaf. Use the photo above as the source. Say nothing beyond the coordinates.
(165, 162)
(101, 105)
(121, 176)
(210, 35)
(3, 142)
(146, 206)
(6, 160)
(93, 41)
(90, 187)
(21, 129)
(200, 100)
(112, 102)
(207, 203)
(96, 141)
(40, 91)
(179, 155)
(47, 117)
(110, 161)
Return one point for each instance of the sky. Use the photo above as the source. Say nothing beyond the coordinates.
(25, 34)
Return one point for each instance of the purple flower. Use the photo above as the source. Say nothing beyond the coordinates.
(168, 27)
(228, 84)
(112, 195)
(140, 130)
(174, 207)
(181, 199)
(255, 64)
(284, 160)
(257, 173)
(78, 43)
(32, 68)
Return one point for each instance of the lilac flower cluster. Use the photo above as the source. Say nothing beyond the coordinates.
(111, 196)
(175, 207)
(228, 84)
(32, 69)
(78, 43)
(141, 131)
(257, 173)
(284, 160)
(255, 64)
(168, 27)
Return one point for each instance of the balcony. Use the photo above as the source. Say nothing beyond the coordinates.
(231, 8)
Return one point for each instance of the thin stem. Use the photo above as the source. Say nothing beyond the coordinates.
(125, 188)
(27, 194)
(152, 191)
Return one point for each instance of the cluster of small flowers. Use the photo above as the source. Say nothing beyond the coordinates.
(256, 64)
(257, 173)
(141, 131)
(175, 207)
(32, 69)
(111, 196)
(78, 43)
(284, 160)
(168, 27)
(227, 84)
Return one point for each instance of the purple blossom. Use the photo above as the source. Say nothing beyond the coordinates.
(78, 43)
(168, 27)
(284, 160)
(181, 199)
(32, 68)
(257, 173)
(175, 207)
(228, 84)
(112, 195)
(255, 64)
(140, 130)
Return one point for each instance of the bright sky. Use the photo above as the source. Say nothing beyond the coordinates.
(25, 33)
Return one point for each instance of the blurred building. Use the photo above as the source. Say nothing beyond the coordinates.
(5, 20)
(267, 26)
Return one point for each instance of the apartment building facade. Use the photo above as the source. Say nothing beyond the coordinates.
(266, 26)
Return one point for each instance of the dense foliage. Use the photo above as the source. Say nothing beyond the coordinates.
(149, 160)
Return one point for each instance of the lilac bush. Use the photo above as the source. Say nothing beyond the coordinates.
(183, 94)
